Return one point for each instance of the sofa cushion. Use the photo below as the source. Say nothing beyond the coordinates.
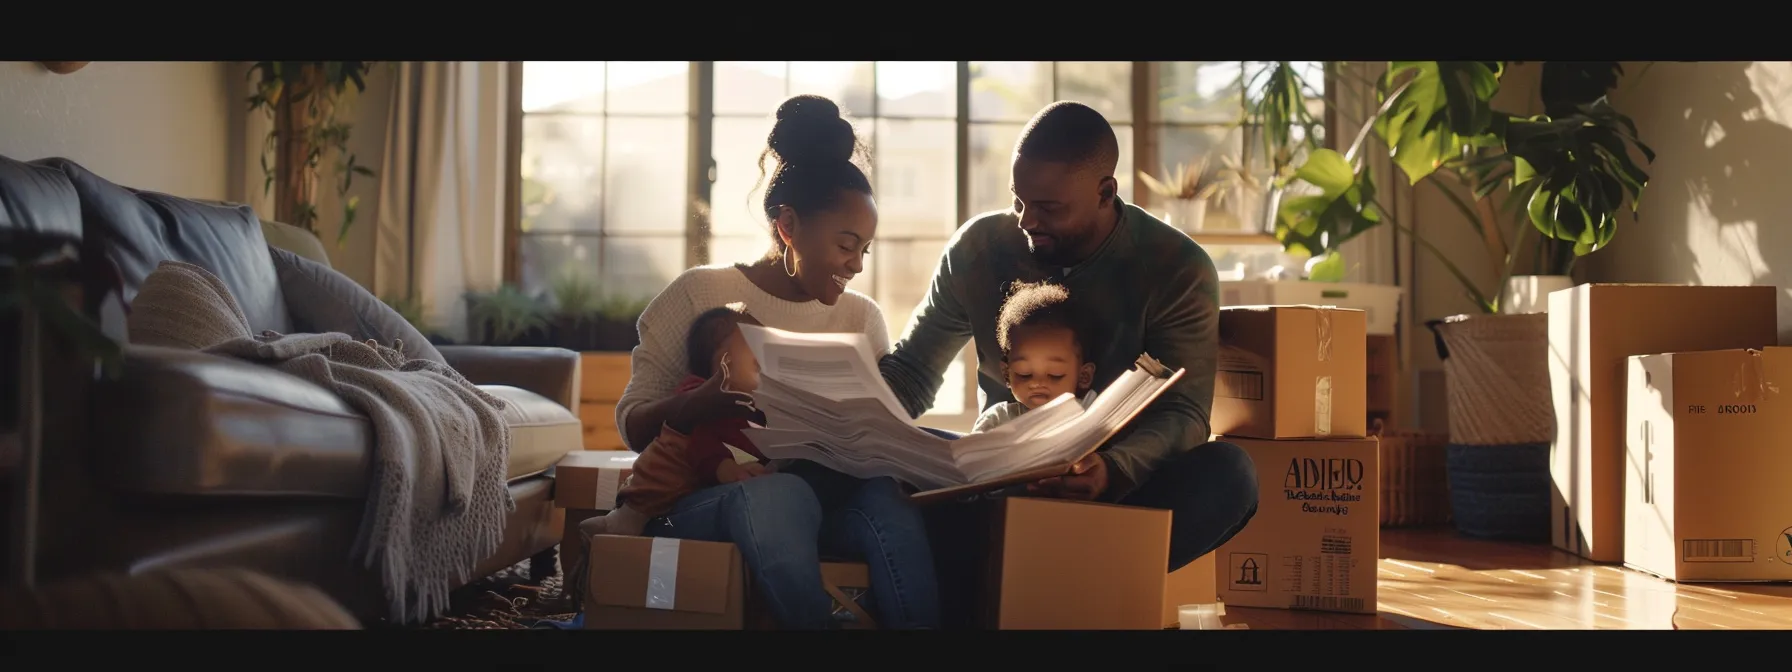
(186, 423)
(141, 229)
(322, 300)
(38, 198)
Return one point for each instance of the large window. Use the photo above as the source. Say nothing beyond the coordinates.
(604, 173)
(607, 166)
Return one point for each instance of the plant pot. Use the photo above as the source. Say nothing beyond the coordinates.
(613, 335)
(1502, 422)
(1529, 294)
(1187, 214)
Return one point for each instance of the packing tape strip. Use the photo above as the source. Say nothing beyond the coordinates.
(609, 483)
(662, 574)
(1322, 405)
(1752, 384)
(1322, 321)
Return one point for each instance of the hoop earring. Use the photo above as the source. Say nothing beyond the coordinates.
(788, 268)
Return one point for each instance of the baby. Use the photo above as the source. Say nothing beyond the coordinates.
(692, 451)
(1045, 351)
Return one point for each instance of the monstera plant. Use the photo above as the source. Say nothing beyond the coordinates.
(1567, 174)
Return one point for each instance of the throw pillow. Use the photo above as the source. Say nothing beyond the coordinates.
(322, 300)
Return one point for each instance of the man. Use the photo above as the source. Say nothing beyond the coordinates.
(1148, 287)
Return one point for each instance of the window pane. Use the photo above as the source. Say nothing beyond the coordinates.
(1181, 145)
(917, 88)
(549, 257)
(992, 153)
(1237, 262)
(1199, 91)
(951, 399)
(749, 87)
(563, 86)
(736, 148)
(650, 87)
(1009, 90)
(847, 83)
(740, 248)
(562, 171)
(646, 175)
(903, 273)
(916, 177)
(1123, 170)
(1104, 85)
(641, 267)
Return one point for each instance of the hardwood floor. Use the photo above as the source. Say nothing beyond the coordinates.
(1433, 578)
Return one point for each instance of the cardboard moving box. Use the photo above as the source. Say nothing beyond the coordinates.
(849, 583)
(657, 583)
(1066, 565)
(1291, 372)
(1592, 329)
(1195, 583)
(1316, 539)
(590, 479)
(1706, 460)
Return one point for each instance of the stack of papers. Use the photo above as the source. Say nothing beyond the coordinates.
(825, 401)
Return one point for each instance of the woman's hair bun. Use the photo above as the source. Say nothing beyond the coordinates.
(810, 130)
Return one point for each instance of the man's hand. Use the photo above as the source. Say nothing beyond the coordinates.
(729, 471)
(711, 402)
(1087, 479)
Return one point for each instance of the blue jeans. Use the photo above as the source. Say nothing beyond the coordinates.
(782, 529)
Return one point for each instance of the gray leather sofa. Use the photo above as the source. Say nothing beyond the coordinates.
(193, 460)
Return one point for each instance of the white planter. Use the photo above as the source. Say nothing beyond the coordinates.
(1528, 294)
(1187, 214)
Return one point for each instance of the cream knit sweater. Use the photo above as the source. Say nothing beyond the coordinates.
(659, 361)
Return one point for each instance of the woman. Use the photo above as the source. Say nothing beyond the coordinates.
(822, 217)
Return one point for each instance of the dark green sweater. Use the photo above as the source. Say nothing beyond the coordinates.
(1151, 288)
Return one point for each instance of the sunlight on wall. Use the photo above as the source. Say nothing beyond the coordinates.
(1717, 210)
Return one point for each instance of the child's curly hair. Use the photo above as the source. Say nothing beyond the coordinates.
(1039, 304)
(707, 334)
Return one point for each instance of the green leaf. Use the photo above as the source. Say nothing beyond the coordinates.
(1522, 171)
(1330, 268)
(1326, 169)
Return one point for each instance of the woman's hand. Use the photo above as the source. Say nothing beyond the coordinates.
(729, 471)
(711, 402)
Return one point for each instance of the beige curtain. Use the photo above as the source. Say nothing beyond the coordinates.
(440, 225)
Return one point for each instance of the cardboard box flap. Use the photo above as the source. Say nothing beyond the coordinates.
(1301, 306)
(661, 573)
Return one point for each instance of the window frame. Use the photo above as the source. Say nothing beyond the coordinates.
(1145, 123)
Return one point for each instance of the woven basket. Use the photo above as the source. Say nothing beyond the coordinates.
(1415, 482)
(1497, 374)
(1502, 422)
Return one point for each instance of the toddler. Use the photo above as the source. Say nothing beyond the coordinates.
(692, 452)
(1045, 351)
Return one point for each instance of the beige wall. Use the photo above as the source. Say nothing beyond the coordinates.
(1718, 208)
(181, 128)
(149, 125)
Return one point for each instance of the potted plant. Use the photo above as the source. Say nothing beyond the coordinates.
(1544, 189)
(507, 317)
(577, 312)
(1192, 188)
(616, 323)
(305, 99)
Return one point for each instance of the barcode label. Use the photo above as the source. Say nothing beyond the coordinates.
(1354, 604)
(1717, 550)
(1239, 385)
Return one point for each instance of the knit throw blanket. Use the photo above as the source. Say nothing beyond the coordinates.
(438, 498)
